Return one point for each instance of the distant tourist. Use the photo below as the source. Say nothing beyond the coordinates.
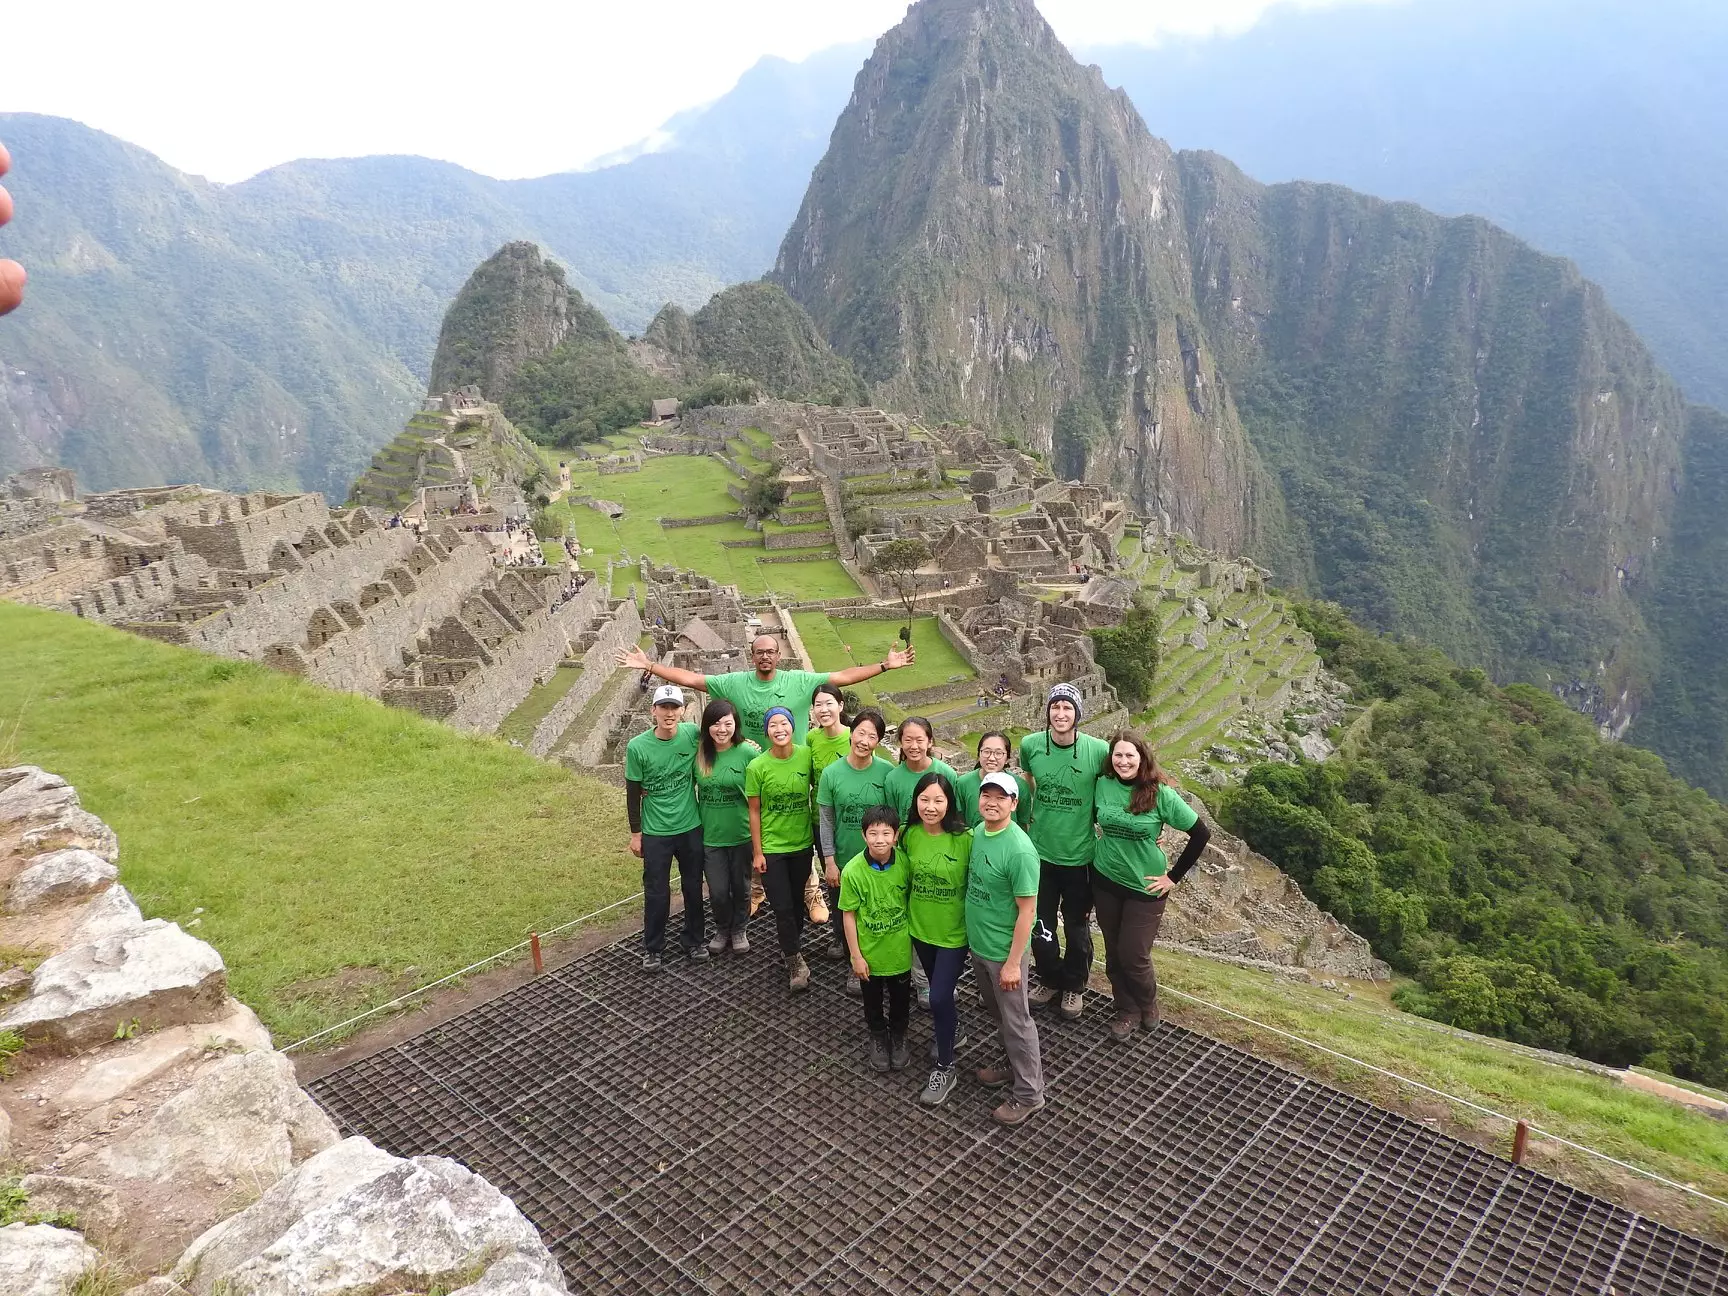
(777, 787)
(1001, 899)
(660, 803)
(994, 754)
(1063, 764)
(873, 903)
(756, 692)
(848, 787)
(1131, 878)
(722, 756)
(938, 848)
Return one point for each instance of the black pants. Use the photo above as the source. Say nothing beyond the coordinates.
(728, 869)
(657, 856)
(898, 989)
(784, 885)
(1067, 888)
(1129, 924)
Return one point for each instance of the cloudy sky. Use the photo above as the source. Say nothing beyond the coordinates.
(510, 88)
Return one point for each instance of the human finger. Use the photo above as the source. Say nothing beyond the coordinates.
(5, 205)
(12, 279)
(5, 160)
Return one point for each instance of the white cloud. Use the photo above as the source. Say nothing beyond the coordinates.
(509, 88)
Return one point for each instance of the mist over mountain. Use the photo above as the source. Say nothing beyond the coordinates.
(277, 331)
(1594, 129)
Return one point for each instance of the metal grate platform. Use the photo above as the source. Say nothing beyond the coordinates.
(702, 1131)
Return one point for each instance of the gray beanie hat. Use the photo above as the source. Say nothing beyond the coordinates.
(1064, 693)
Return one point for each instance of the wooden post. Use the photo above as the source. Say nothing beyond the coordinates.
(1520, 1140)
(540, 966)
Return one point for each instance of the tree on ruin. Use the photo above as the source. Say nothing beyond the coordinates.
(896, 566)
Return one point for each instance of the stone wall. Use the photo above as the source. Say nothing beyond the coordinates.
(359, 658)
(621, 628)
(239, 534)
(797, 539)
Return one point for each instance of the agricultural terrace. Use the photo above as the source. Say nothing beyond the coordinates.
(688, 486)
(334, 850)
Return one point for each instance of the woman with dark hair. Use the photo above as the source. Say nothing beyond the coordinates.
(1131, 877)
(995, 750)
(721, 759)
(917, 739)
(938, 849)
(777, 789)
(828, 739)
(848, 787)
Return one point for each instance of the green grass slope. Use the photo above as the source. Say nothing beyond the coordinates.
(341, 851)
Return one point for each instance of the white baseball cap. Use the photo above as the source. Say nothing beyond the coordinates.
(669, 694)
(1000, 781)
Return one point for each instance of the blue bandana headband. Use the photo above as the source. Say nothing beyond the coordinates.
(774, 711)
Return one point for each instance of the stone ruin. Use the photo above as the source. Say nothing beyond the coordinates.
(152, 1108)
(697, 623)
(422, 617)
(866, 442)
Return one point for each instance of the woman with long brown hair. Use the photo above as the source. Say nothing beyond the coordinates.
(1131, 877)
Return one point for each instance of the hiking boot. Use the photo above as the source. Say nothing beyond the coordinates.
(924, 997)
(1041, 994)
(697, 954)
(937, 1088)
(898, 1054)
(835, 949)
(757, 896)
(1122, 1028)
(651, 962)
(797, 973)
(1149, 1021)
(740, 942)
(880, 1055)
(1011, 1113)
(1072, 1005)
(854, 987)
(993, 1077)
(815, 905)
(717, 942)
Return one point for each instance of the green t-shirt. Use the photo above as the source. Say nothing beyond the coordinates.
(901, 781)
(664, 768)
(878, 897)
(967, 791)
(792, 689)
(1004, 865)
(1128, 852)
(1063, 780)
(824, 751)
(720, 796)
(851, 792)
(938, 863)
(783, 787)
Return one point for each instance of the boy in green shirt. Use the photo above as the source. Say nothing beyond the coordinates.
(874, 887)
(660, 803)
(1001, 891)
(1064, 765)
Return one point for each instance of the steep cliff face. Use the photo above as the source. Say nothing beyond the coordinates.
(515, 307)
(995, 235)
(1471, 445)
(1422, 418)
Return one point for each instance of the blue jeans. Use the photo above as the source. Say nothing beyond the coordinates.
(943, 966)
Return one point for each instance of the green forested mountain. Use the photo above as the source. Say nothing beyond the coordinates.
(564, 375)
(1420, 417)
(277, 331)
(1539, 883)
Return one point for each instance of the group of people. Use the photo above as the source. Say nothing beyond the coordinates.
(916, 871)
